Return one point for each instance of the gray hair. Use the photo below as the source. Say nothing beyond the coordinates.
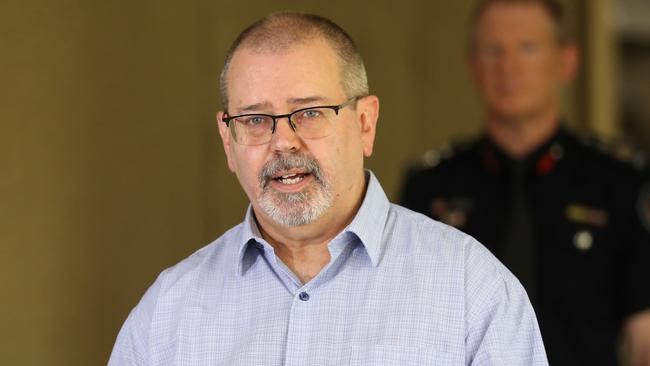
(279, 31)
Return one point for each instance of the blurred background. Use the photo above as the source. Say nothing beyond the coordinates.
(111, 168)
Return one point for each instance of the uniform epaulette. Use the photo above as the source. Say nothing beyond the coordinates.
(442, 152)
(617, 149)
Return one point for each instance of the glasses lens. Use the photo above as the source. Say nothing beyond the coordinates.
(252, 129)
(314, 122)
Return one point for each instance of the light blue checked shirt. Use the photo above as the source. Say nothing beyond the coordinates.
(400, 289)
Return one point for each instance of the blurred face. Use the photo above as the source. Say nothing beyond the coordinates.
(292, 181)
(517, 62)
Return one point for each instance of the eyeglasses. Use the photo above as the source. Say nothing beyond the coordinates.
(309, 123)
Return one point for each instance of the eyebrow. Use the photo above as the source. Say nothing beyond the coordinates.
(256, 107)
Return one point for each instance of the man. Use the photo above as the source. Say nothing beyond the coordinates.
(323, 270)
(564, 216)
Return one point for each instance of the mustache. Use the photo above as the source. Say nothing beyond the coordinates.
(303, 162)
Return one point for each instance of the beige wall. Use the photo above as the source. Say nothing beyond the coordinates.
(111, 168)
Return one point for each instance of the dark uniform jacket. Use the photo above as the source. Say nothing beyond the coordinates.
(589, 212)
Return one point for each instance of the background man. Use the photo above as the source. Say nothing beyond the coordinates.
(323, 270)
(565, 217)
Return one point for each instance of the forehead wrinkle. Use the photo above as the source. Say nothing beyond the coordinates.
(268, 106)
(306, 91)
(307, 100)
(254, 107)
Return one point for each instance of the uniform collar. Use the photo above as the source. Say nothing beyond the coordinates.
(367, 225)
(542, 161)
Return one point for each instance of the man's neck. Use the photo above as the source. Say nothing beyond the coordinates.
(304, 249)
(519, 137)
(300, 249)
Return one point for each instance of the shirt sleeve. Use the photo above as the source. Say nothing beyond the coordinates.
(501, 327)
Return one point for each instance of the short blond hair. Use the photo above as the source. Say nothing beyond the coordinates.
(553, 9)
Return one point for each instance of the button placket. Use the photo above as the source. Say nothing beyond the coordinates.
(298, 332)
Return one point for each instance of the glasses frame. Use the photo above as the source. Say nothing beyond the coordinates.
(336, 108)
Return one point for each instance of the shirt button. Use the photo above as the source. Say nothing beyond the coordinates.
(304, 296)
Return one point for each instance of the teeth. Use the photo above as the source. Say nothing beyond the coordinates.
(285, 180)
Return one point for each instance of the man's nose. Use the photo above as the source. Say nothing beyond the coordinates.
(509, 61)
(284, 137)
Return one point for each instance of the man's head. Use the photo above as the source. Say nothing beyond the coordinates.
(520, 57)
(280, 31)
(284, 63)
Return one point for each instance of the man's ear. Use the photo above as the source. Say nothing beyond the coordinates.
(226, 139)
(570, 62)
(368, 114)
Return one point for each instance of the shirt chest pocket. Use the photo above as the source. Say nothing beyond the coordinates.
(387, 355)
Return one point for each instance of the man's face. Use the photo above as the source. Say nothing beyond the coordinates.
(293, 181)
(517, 62)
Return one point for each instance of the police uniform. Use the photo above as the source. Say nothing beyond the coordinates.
(589, 215)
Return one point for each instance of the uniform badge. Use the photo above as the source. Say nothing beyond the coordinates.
(583, 240)
(586, 215)
(643, 206)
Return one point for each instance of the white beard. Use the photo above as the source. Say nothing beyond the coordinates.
(296, 209)
(299, 208)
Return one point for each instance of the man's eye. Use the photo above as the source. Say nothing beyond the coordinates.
(311, 113)
(254, 120)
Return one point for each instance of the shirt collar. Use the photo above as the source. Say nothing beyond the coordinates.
(369, 222)
(368, 225)
(250, 240)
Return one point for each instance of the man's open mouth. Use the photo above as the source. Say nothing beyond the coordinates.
(292, 178)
